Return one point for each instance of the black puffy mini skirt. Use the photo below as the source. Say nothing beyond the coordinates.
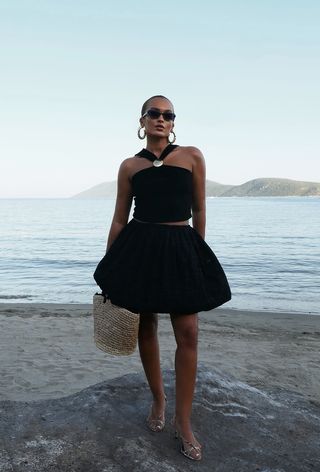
(160, 268)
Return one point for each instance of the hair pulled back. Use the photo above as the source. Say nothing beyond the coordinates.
(146, 103)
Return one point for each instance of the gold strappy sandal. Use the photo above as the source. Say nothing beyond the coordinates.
(188, 449)
(156, 424)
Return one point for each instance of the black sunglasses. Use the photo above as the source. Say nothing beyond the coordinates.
(154, 115)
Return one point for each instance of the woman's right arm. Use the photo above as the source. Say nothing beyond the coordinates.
(123, 202)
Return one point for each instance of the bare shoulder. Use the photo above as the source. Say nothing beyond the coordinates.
(127, 165)
(195, 155)
(192, 151)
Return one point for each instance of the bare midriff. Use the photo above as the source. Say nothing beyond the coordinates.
(186, 222)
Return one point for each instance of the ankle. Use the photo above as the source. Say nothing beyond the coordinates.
(183, 425)
(159, 398)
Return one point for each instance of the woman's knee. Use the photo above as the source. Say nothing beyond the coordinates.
(186, 332)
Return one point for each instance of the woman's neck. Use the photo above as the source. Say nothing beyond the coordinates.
(156, 145)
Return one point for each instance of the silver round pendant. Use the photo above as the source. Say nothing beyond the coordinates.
(157, 163)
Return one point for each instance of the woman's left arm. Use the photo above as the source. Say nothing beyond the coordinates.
(199, 192)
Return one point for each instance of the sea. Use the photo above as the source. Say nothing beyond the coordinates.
(269, 248)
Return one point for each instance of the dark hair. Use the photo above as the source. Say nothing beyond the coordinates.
(146, 103)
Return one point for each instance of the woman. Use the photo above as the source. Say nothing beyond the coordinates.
(158, 263)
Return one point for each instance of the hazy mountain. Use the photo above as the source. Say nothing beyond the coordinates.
(214, 189)
(264, 187)
(272, 187)
(103, 190)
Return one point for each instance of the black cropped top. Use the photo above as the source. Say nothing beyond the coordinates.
(162, 193)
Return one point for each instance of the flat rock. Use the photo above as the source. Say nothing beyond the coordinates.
(102, 428)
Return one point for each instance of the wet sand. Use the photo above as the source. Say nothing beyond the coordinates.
(48, 350)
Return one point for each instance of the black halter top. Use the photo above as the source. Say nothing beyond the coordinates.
(162, 193)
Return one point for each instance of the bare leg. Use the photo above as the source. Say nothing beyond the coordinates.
(186, 333)
(150, 358)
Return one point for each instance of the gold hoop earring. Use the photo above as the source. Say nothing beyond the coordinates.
(174, 137)
(139, 135)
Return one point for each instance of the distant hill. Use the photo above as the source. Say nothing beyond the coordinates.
(103, 190)
(214, 189)
(264, 187)
(273, 187)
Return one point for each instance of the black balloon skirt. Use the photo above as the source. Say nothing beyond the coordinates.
(159, 268)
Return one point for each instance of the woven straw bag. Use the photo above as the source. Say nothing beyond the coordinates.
(115, 328)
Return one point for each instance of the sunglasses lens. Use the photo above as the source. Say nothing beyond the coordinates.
(153, 114)
(168, 116)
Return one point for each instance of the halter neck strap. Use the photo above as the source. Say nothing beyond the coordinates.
(152, 157)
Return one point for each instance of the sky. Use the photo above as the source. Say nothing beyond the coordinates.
(243, 77)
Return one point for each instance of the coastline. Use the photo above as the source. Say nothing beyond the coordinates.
(48, 351)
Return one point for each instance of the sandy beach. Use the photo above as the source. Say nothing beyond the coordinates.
(48, 351)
